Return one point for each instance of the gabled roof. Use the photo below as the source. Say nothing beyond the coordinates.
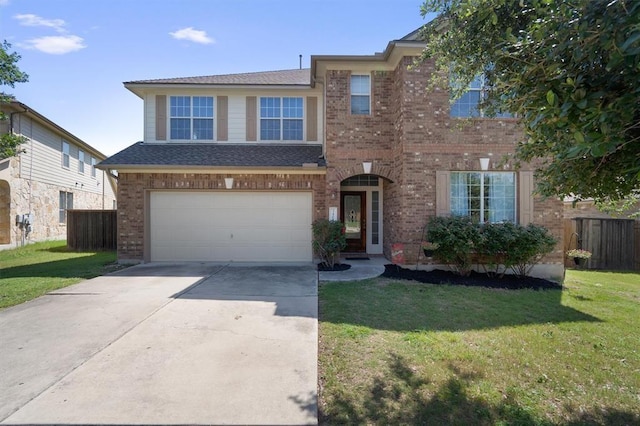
(295, 77)
(178, 155)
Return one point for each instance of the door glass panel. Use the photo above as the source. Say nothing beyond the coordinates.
(352, 216)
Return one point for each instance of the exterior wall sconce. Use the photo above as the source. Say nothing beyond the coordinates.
(484, 164)
(228, 183)
(366, 166)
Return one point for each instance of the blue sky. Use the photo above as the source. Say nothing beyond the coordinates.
(78, 52)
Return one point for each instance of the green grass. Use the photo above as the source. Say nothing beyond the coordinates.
(394, 352)
(33, 270)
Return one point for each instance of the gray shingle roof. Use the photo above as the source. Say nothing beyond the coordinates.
(295, 77)
(214, 155)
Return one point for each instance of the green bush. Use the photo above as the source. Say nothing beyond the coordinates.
(328, 240)
(497, 247)
(457, 237)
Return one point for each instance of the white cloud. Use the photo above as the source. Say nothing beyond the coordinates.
(190, 34)
(31, 20)
(55, 45)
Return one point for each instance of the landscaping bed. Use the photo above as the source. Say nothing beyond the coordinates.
(475, 279)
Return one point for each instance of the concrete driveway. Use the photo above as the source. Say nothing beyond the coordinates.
(165, 344)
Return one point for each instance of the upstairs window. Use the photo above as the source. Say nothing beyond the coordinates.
(191, 117)
(281, 119)
(468, 105)
(360, 94)
(93, 167)
(80, 161)
(65, 155)
(485, 197)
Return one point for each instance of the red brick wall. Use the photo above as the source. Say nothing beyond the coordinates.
(409, 136)
(132, 187)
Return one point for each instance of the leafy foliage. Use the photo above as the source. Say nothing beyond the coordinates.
(328, 240)
(497, 247)
(570, 69)
(9, 75)
(457, 238)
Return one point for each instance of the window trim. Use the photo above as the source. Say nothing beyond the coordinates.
(93, 166)
(81, 161)
(68, 205)
(281, 118)
(352, 94)
(191, 118)
(66, 156)
(482, 209)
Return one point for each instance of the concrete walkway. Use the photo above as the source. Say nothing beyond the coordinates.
(165, 344)
(361, 269)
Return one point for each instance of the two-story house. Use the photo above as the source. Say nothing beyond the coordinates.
(55, 172)
(236, 167)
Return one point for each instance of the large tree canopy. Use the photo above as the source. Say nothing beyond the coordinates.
(10, 74)
(570, 70)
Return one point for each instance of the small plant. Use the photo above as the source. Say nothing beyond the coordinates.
(429, 245)
(328, 240)
(579, 253)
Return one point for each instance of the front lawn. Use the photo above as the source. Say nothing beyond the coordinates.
(400, 352)
(35, 269)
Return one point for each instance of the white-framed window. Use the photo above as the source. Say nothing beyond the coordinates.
(467, 105)
(80, 161)
(486, 197)
(65, 155)
(191, 117)
(66, 203)
(360, 94)
(93, 167)
(281, 119)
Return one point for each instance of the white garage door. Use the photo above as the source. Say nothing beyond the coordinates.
(231, 226)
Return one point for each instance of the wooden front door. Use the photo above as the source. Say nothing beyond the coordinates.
(353, 211)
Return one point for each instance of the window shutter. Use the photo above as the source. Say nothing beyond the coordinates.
(161, 117)
(312, 119)
(252, 120)
(443, 193)
(526, 198)
(222, 117)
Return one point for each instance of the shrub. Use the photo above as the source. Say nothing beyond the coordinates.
(328, 240)
(457, 238)
(532, 244)
(497, 247)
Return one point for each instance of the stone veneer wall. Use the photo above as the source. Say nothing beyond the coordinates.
(132, 187)
(43, 200)
(409, 136)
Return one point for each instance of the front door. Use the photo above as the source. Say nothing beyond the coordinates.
(353, 213)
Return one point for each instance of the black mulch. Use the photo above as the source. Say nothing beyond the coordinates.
(476, 279)
(323, 267)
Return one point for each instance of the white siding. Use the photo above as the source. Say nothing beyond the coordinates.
(237, 104)
(42, 161)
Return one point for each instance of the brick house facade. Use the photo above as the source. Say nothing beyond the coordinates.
(407, 138)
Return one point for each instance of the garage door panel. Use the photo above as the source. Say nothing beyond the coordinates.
(230, 226)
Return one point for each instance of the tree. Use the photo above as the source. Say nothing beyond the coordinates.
(569, 69)
(10, 74)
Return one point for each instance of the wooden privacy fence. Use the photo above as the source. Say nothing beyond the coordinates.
(614, 243)
(91, 230)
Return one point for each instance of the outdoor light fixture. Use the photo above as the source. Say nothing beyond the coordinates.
(228, 183)
(366, 166)
(484, 164)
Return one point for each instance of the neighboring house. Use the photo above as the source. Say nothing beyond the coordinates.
(236, 167)
(55, 172)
